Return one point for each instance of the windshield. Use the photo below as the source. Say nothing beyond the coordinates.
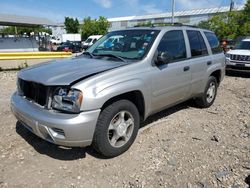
(128, 44)
(88, 40)
(245, 45)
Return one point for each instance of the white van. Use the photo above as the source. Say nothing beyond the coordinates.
(90, 41)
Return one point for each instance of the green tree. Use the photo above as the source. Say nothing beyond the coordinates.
(72, 25)
(102, 25)
(204, 24)
(231, 24)
(246, 11)
(94, 27)
(144, 24)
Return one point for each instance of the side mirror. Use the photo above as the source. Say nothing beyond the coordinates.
(162, 58)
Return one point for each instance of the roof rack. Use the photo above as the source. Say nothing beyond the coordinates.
(173, 24)
(162, 24)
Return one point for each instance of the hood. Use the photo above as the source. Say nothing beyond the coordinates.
(64, 72)
(239, 52)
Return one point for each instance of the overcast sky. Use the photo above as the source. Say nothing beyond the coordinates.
(56, 10)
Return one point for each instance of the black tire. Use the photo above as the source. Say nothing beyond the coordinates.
(101, 142)
(203, 101)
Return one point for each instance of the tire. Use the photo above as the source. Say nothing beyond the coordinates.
(110, 126)
(206, 99)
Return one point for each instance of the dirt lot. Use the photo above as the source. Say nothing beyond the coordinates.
(180, 147)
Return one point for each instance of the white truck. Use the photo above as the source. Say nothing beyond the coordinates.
(90, 41)
(66, 37)
(239, 58)
(71, 37)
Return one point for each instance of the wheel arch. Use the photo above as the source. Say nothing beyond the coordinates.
(217, 74)
(135, 96)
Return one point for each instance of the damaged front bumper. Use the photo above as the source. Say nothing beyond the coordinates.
(73, 130)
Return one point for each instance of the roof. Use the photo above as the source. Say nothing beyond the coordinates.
(177, 13)
(159, 28)
(17, 20)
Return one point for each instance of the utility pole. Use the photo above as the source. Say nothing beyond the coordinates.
(173, 10)
(15, 30)
(231, 5)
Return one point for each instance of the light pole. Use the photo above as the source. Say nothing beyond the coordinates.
(231, 5)
(173, 9)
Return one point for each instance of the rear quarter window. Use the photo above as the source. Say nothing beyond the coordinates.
(213, 42)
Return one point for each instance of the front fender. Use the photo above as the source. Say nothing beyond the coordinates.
(101, 94)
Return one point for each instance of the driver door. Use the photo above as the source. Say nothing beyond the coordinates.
(171, 82)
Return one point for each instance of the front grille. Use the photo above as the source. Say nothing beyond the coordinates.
(240, 57)
(33, 91)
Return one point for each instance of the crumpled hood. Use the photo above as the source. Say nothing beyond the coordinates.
(64, 72)
(239, 52)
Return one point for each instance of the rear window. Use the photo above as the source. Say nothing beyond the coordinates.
(214, 42)
(197, 44)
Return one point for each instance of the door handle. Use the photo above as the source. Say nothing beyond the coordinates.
(186, 68)
(209, 63)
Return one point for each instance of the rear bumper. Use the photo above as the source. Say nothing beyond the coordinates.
(59, 128)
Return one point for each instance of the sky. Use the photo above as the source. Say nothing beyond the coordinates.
(56, 10)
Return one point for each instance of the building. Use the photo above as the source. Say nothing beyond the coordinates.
(189, 17)
(59, 30)
(21, 43)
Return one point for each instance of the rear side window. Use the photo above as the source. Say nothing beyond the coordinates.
(197, 44)
(173, 44)
(213, 42)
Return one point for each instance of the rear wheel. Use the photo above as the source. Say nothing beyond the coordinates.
(209, 95)
(116, 128)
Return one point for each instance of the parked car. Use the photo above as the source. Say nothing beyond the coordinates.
(70, 47)
(90, 41)
(55, 40)
(239, 58)
(101, 97)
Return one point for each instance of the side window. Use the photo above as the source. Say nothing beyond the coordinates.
(214, 43)
(94, 41)
(173, 44)
(197, 44)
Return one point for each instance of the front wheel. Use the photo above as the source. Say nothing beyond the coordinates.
(116, 128)
(209, 95)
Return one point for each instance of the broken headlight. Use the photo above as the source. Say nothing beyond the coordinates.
(68, 100)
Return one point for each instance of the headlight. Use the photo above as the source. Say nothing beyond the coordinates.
(67, 100)
(227, 55)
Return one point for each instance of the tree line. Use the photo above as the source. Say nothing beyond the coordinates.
(226, 25)
(88, 27)
(12, 30)
(229, 25)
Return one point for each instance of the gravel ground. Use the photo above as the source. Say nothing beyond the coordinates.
(180, 147)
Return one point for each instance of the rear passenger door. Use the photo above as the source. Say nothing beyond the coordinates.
(200, 60)
(171, 81)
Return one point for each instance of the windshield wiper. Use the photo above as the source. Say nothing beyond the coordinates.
(112, 55)
(88, 53)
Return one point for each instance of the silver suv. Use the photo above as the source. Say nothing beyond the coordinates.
(101, 97)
